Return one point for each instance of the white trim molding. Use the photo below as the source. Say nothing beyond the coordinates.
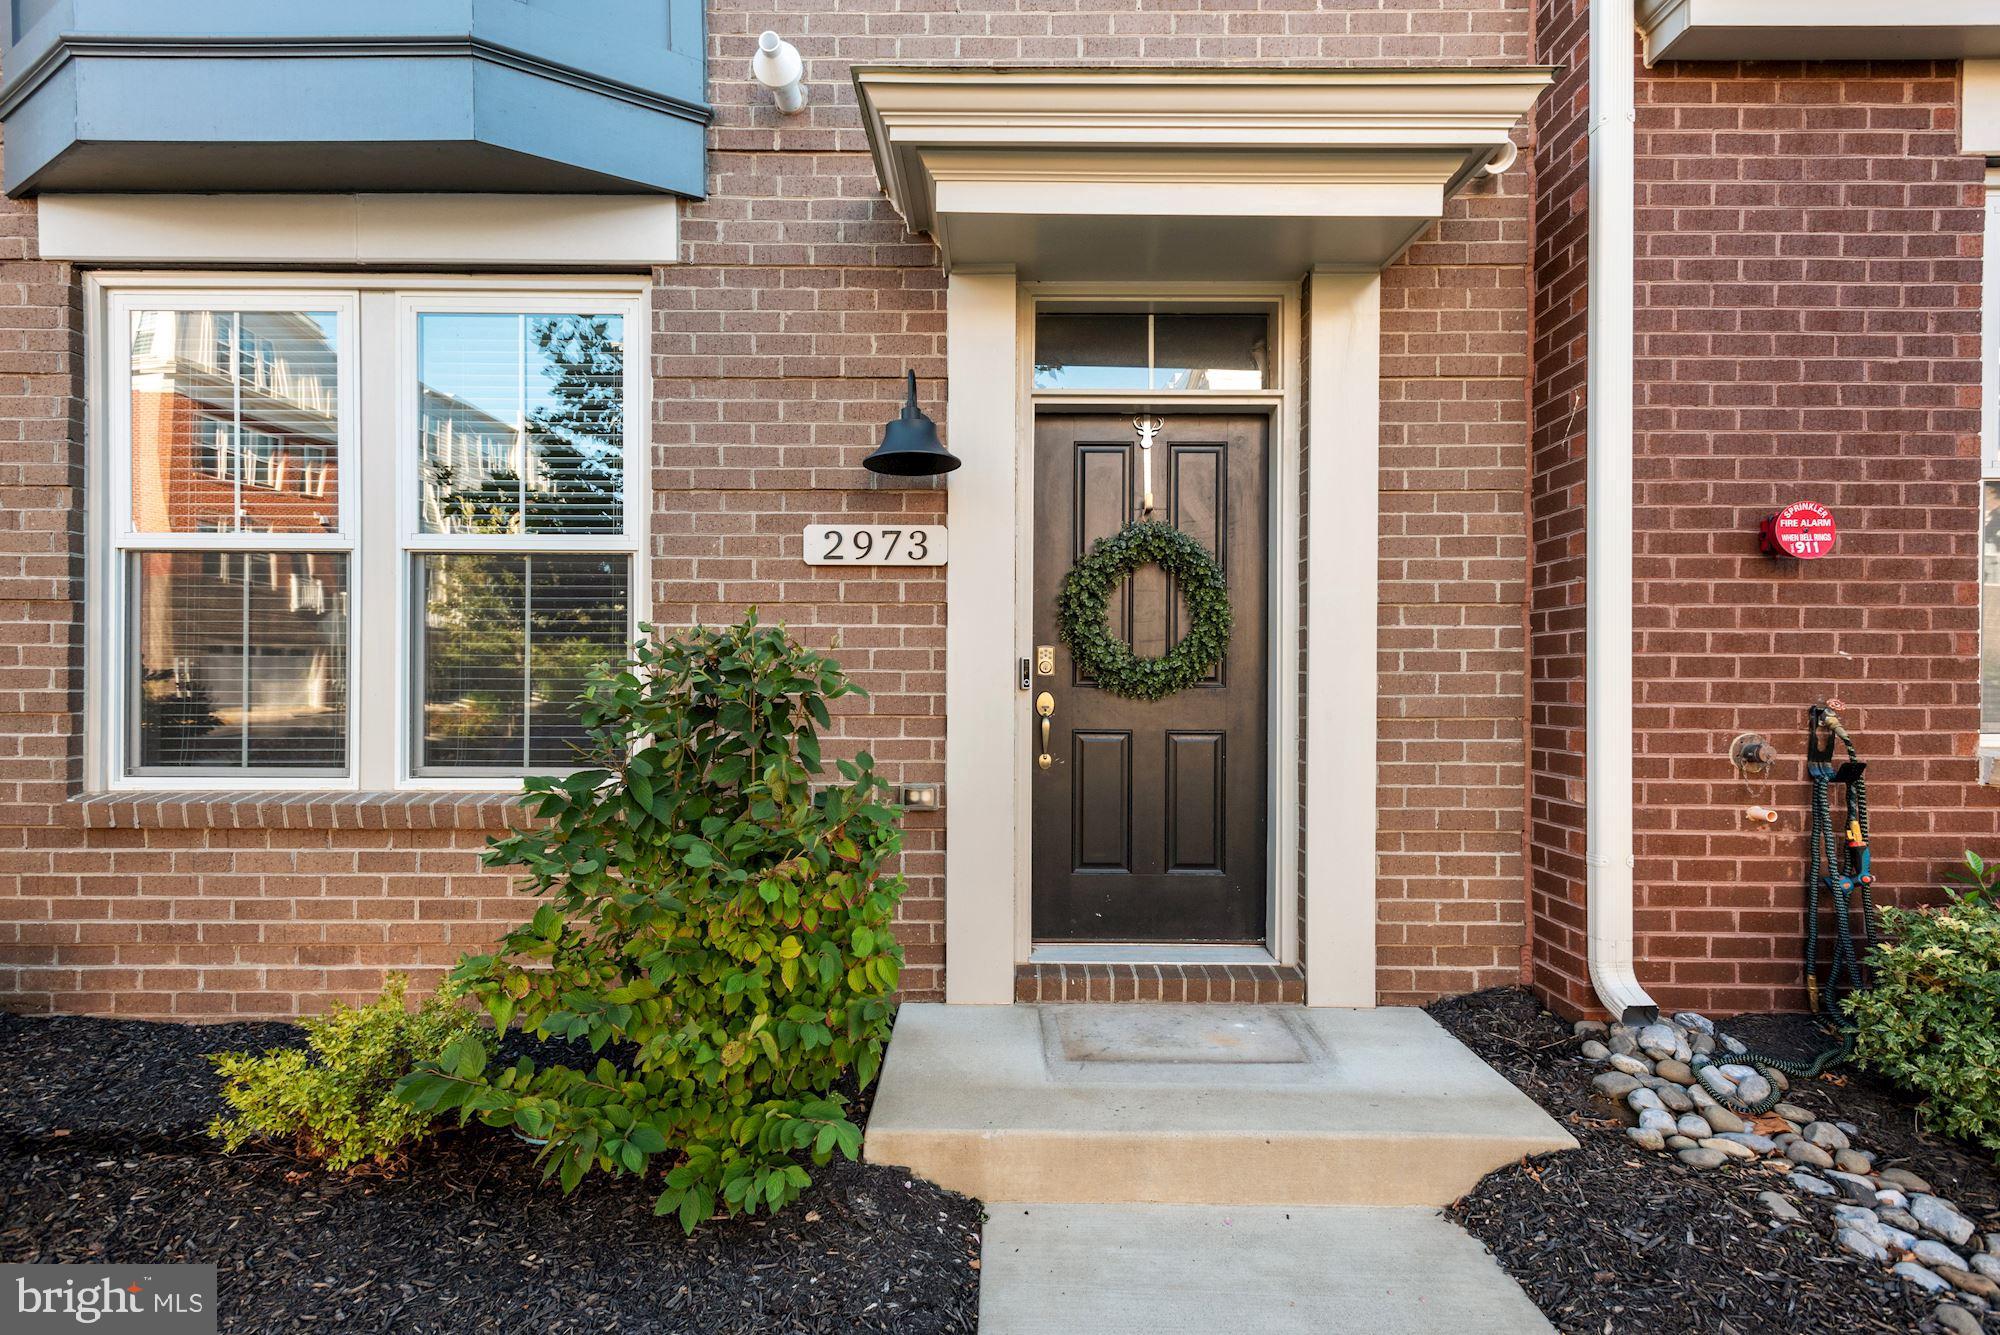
(1979, 117)
(1824, 30)
(1183, 174)
(445, 231)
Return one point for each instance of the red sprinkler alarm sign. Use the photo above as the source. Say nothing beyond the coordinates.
(1804, 529)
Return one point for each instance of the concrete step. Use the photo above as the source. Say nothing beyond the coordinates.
(1202, 1105)
(1249, 1270)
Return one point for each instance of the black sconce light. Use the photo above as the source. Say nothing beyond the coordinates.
(910, 446)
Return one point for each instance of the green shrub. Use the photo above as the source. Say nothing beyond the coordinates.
(1976, 880)
(714, 925)
(334, 1098)
(1929, 1023)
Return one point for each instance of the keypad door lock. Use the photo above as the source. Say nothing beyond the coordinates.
(1045, 660)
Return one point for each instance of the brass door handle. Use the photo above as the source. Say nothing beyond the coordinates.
(1045, 705)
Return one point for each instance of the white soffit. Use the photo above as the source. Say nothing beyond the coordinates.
(1158, 173)
(1820, 30)
(526, 231)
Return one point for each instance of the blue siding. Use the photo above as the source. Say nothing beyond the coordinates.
(386, 94)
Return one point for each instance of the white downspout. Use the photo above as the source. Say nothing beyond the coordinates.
(1608, 520)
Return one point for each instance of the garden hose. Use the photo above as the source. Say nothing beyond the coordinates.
(1839, 873)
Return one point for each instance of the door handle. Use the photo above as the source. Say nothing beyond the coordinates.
(1045, 705)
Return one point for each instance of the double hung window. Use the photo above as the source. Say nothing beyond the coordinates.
(362, 537)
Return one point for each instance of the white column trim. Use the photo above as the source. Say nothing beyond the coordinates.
(986, 814)
(1343, 521)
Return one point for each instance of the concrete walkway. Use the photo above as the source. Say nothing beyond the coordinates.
(1241, 1270)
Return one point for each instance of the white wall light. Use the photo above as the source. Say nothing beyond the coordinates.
(778, 66)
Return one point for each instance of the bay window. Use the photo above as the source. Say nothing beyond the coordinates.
(358, 536)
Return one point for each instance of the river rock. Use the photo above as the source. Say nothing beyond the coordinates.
(1622, 1044)
(1941, 1220)
(1696, 1128)
(1906, 1180)
(1853, 1161)
(1631, 1065)
(1966, 1281)
(1646, 1137)
(1861, 1245)
(1641, 1099)
(1749, 1140)
(1702, 1098)
(1919, 1276)
(1722, 1119)
(1896, 1216)
(1658, 1119)
(1992, 1243)
(1701, 1157)
(1702, 1045)
(1659, 1041)
(1857, 1189)
(1849, 1128)
(1679, 1142)
(1955, 1320)
(1753, 1089)
(1595, 1050)
(1987, 1264)
(1728, 1147)
(1890, 1197)
(1777, 1206)
(1694, 1021)
(1588, 1029)
(1936, 1254)
(1826, 1135)
(1677, 1071)
(1792, 1112)
(1811, 1185)
(1800, 1151)
(1675, 1098)
(1733, 1046)
(1613, 1084)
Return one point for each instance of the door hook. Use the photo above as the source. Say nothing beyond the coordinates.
(1147, 427)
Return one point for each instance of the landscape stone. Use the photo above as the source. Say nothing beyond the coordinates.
(1897, 1216)
(1692, 1020)
(1852, 1161)
(1904, 1179)
(1800, 1151)
(1679, 1142)
(1734, 1045)
(1811, 1185)
(1749, 1140)
(1702, 1044)
(1646, 1137)
(1861, 1245)
(1676, 1071)
(1676, 1099)
(1919, 1276)
(1641, 1099)
(1722, 1119)
(1632, 1065)
(1966, 1281)
(1622, 1044)
(1728, 1147)
(1613, 1084)
(1848, 1128)
(1792, 1112)
(1753, 1089)
(1701, 1157)
(1941, 1220)
(1955, 1320)
(1694, 1127)
(1735, 1071)
(1987, 1264)
(1702, 1098)
(1778, 1206)
(1827, 1136)
(1595, 1050)
(1891, 1197)
(1588, 1029)
(1660, 1120)
(1659, 1040)
(1857, 1189)
(1992, 1239)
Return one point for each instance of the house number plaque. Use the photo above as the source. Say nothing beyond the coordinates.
(875, 544)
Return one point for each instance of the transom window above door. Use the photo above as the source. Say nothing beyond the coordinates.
(1112, 349)
(359, 538)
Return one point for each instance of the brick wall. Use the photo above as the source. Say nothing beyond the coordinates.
(779, 344)
(1808, 270)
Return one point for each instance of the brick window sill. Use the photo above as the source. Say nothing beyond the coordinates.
(293, 811)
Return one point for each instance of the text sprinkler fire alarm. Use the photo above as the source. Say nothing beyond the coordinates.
(1803, 529)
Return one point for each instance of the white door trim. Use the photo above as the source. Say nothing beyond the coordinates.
(990, 506)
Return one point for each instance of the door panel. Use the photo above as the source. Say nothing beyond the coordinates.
(1150, 823)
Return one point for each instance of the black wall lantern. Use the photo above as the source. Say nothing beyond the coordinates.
(910, 446)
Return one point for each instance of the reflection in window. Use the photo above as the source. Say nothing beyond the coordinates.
(209, 385)
(507, 639)
(1111, 351)
(242, 661)
(1212, 352)
(522, 420)
(1091, 351)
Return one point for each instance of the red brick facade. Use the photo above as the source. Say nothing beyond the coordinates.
(778, 345)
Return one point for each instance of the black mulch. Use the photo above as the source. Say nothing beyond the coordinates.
(1610, 1238)
(103, 1156)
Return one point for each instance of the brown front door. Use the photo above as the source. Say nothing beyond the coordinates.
(1150, 823)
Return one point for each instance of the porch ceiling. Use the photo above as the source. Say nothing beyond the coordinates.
(1154, 173)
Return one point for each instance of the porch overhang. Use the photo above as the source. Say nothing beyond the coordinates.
(1183, 174)
(1826, 30)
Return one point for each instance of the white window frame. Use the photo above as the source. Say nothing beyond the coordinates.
(379, 524)
(1989, 440)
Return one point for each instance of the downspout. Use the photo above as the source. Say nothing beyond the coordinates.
(1608, 520)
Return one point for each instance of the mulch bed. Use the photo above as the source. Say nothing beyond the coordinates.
(1610, 1238)
(103, 1157)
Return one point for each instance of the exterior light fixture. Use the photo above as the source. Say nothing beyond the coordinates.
(910, 446)
(779, 67)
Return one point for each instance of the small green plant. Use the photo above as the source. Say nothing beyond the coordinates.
(1928, 1022)
(334, 1098)
(1973, 882)
(715, 925)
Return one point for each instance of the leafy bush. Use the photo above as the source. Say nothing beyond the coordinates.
(714, 926)
(1929, 1021)
(334, 1098)
(1975, 881)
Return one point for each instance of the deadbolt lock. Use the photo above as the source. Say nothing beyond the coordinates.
(1045, 660)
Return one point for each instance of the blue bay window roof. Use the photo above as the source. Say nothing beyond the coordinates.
(354, 95)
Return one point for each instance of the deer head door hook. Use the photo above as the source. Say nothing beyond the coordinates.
(1147, 427)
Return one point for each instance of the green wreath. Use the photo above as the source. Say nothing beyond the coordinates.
(1109, 661)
